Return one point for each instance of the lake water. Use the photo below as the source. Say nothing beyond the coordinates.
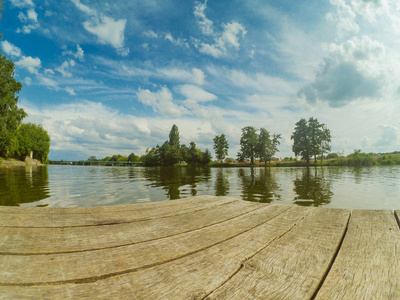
(71, 186)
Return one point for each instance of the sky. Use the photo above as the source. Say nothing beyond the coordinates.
(112, 77)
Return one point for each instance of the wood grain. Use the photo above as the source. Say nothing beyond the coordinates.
(368, 263)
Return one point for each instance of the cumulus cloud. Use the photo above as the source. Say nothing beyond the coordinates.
(30, 63)
(352, 70)
(30, 18)
(10, 49)
(63, 69)
(229, 38)
(389, 138)
(206, 25)
(195, 93)
(344, 18)
(107, 30)
(223, 41)
(161, 102)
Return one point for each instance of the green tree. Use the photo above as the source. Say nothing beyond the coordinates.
(133, 157)
(169, 154)
(264, 145)
(11, 115)
(248, 144)
(310, 139)
(326, 139)
(274, 145)
(32, 137)
(92, 158)
(206, 158)
(194, 154)
(174, 136)
(301, 140)
(221, 147)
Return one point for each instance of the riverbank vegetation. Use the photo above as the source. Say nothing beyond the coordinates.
(17, 140)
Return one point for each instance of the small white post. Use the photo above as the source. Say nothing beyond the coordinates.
(31, 154)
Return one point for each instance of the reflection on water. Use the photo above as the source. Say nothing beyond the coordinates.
(312, 188)
(259, 185)
(23, 185)
(69, 186)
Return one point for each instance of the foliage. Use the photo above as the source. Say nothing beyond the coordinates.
(32, 137)
(174, 136)
(332, 155)
(248, 144)
(11, 115)
(310, 139)
(133, 157)
(221, 147)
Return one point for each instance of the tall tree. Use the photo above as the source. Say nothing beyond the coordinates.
(248, 144)
(326, 139)
(221, 147)
(274, 145)
(174, 136)
(10, 114)
(32, 137)
(264, 145)
(301, 140)
(310, 139)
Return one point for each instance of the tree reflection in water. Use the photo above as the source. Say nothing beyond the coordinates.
(259, 185)
(312, 189)
(174, 180)
(23, 185)
(222, 182)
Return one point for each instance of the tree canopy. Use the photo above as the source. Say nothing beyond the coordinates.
(11, 115)
(221, 147)
(32, 137)
(310, 139)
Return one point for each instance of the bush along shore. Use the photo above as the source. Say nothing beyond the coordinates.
(18, 163)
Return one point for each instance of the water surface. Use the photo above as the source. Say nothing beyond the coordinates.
(71, 186)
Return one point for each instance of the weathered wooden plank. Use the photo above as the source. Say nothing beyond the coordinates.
(90, 265)
(52, 240)
(75, 217)
(178, 203)
(397, 215)
(368, 263)
(192, 276)
(293, 266)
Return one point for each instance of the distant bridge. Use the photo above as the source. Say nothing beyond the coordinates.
(96, 163)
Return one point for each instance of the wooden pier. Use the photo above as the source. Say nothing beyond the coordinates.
(199, 248)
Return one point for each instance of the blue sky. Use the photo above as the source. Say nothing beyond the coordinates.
(109, 77)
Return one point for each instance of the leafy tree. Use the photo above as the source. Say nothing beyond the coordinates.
(32, 137)
(301, 140)
(310, 139)
(92, 158)
(221, 147)
(151, 158)
(133, 157)
(248, 144)
(326, 139)
(206, 159)
(194, 154)
(169, 154)
(264, 145)
(174, 136)
(10, 114)
(274, 145)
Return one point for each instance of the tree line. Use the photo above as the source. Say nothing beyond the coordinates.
(17, 140)
(310, 139)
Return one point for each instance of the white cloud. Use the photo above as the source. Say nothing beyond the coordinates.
(30, 63)
(107, 30)
(161, 102)
(70, 91)
(22, 3)
(344, 18)
(30, 17)
(84, 8)
(195, 93)
(151, 34)
(356, 69)
(79, 54)
(176, 42)
(229, 38)
(10, 49)
(49, 71)
(206, 25)
(63, 69)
